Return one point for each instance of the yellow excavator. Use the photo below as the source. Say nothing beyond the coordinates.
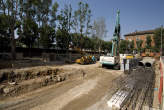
(85, 59)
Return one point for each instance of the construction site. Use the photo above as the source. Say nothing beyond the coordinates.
(57, 66)
(80, 87)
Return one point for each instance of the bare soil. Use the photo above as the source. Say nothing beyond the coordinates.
(84, 87)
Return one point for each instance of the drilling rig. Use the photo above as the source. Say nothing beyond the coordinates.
(113, 59)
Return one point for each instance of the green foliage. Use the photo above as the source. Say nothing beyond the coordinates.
(87, 43)
(65, 18)
(82, 18)
(81, 21)
(38, 22)
(54, 14)
(132, 45)
(157, 39)
(96, 42)
(62, 39)
(75, 40)
(90, 43)
(10, 9)
(148, 42)
(30, 33)
(4, 32)
(107, 46)
(124, 46)
(47, 35)
(139, 45)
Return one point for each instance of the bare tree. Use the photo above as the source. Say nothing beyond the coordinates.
(99, 28)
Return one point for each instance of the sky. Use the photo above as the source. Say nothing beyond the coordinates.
(135, 15)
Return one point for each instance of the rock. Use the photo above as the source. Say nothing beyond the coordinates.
(58, 78)
(55, 71)
(54, 79)
(8, 90)
(12, 83)
(48, 78)
(49, 72)
(63, 78)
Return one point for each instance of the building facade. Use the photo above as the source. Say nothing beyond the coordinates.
(140, 35)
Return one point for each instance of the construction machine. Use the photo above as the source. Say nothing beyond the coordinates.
(113, 58)
(85, 59)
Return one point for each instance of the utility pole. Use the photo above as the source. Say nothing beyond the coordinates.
(161, 38)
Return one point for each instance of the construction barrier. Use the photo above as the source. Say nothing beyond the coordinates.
(161, 84)
(160, 95)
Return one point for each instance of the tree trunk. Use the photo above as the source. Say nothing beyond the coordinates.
(13, 45)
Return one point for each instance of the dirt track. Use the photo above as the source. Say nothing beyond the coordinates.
(79, 93)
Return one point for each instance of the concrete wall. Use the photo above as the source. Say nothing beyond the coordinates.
(8, 56)
(63, 57)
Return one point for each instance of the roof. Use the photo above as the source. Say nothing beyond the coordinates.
(140, 33)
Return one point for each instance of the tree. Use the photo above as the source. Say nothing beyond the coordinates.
(46, 17)
(148, 42)
(54, 14)
(107, 46)
(30, 32)
(95, 42)
(87, 45)
(4, 33)
(47, 35)
(157, 39)
(82, 15)
(62, 39)
(139, 45)
(131, 46)
(64, 27)
(81, 20)
(34, 23)
(124, 46)
(65, 18)
(29, 27)
(88, 21)
(99, 28)
(43, 9)
(11, 9)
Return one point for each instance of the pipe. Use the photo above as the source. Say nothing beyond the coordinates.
(146, 63)
(140, 63)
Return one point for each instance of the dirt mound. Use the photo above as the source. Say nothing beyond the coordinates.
(15, 82)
